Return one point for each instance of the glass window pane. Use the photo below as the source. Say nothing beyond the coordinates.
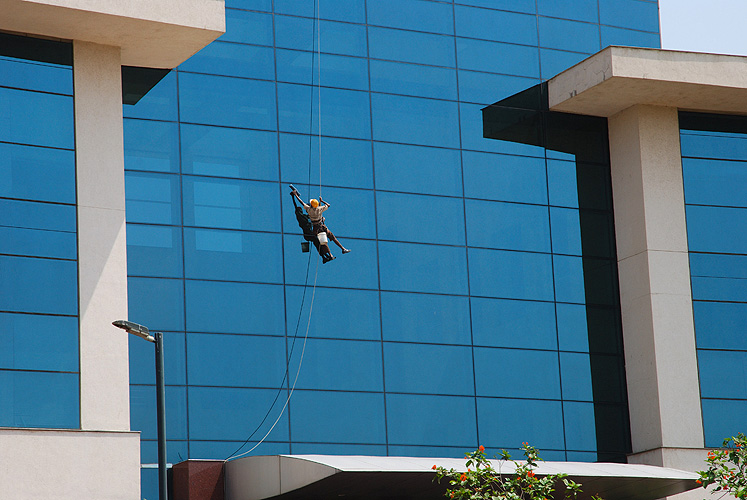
(336, 71)
(152, 198)
(429, 170)
(497, 25)
(154, 251)
(232, 59)
(429, 219)
(414, 15)
(213, 254)
(411, 79)
(508, 226)
(513, 323)
(713, 145)
(632, 14)
(348, 160)
(36, 75)
(511, 275)
(37, 173)
(38, 399)
(471, 125)
(151, 145)
(337, 365)
(358, 269)
(158, 104)
(718, 266)
(239, 411)
(246, 360)
(719, 289)
(722, 418)
(350, 10)
(720, 325)
(527, 6)
(506, 178)
(723, 374)
(423, 368)
(248, 308)
(38, 241)
(487, 88)
(356, 313)
(23, 109)
(575, 373)
(629, 38)
(248, 27)
(38, 285)
(495, 57)
(337, 38)
(545, 433)
(157, 303)
(580, 427)
(706, 229)
(413, 267)
(417, 317)
(411, 47)
(579, 10)
(419, 420)
(714, 182)
(230, 204)
(229, 152)
(428, 122)
(542, 381)
(345, 113)
(553, 34)
(338, 417)
(233, 102)
(37, 342)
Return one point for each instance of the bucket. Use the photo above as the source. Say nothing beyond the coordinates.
(322, 238)
(305, 246)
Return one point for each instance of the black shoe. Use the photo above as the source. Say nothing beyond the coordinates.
(327, 259)
(345, 250)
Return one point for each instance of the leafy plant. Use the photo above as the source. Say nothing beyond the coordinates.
(483, 481)
(727, 468)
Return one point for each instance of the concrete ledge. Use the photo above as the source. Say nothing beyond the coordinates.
(620, 77)
(155, 34)
(69, 464)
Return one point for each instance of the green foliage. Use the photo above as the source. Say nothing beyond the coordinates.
(484, 482)
(727, 468)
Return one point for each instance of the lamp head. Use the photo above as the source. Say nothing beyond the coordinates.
(135, 329)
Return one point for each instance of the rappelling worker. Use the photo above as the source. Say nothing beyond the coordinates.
(315, 209)
(304, 222)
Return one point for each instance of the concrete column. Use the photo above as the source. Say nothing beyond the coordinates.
(655, 295)
(102, 259)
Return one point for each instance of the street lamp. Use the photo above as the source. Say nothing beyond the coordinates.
(157, 339)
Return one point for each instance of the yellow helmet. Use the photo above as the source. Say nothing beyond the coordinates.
(314, 203)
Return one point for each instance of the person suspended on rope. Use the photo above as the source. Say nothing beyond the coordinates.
(315, 209)
(304, 222)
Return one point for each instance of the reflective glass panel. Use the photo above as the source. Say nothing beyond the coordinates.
(411, 47)
(497, 25)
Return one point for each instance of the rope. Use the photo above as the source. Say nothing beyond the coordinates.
(234, 455)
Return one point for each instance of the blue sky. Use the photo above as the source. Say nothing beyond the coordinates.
(716, 26)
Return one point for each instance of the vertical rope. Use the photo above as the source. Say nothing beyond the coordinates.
(319, 95)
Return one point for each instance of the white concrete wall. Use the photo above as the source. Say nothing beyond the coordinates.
(102, 250)
(69, 465)
(656, 301)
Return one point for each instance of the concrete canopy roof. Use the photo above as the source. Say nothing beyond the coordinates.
(617, 78)
(153, 34)
(291, 477)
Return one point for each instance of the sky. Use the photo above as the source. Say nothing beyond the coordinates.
(715, 26)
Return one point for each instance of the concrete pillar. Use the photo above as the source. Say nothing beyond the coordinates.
(102, 258)
(655, 296)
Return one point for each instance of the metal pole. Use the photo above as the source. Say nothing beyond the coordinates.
(161, 415)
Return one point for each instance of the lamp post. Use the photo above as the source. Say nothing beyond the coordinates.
(157, 339)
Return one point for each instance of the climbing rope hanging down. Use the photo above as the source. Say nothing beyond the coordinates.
(236, 454)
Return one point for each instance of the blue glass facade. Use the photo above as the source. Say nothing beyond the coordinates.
(714, 150)
(479, 303)
(39, 368)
